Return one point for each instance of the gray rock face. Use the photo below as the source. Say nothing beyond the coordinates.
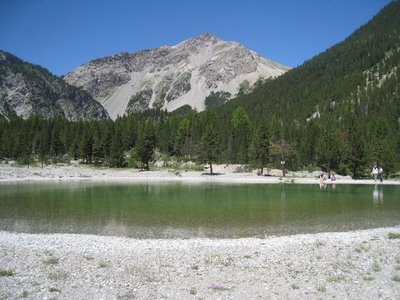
(184, 74)
(26, 89)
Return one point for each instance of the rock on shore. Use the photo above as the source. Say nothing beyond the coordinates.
(353, 265)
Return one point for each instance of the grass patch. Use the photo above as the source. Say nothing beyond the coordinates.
(59, 275)
(103, 264)
(295, 286)
(336, 279)
(5, 273)
(396, 278)
(213, 259)
(54, 290)
(368, 278)
(25, 294)
(376, 267)
(177, 173)
(321, 288)
(364, 247)
(51, 261)
(393, 236)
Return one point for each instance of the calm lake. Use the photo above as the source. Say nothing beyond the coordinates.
(203, 210)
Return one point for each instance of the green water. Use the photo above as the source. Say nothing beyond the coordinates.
(204, 210)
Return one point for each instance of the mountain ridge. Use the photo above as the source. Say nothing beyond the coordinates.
(27, 89)
(169, 77)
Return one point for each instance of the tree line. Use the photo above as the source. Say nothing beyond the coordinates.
(349, 147)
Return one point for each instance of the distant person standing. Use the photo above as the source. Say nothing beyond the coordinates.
(375, 172)
(333, 177)
(380, 173)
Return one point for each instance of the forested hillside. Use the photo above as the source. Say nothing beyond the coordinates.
(351, 86)
(348, 73)
(339, 111)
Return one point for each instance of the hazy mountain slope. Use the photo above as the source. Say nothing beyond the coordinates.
(27, 89)
(361, 73)
(171, 77)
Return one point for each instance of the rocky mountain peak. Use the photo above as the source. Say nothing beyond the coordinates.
(169, 77)
(206, 38)
(27, 89)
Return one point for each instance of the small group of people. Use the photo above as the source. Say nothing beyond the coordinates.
(377, 172)
(323, 178)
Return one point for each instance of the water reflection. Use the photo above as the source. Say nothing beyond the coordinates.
(283, 194)
(185, 211)
(323, 185)
(377, 195)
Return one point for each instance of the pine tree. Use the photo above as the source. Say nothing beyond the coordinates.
(382, 145)
(241, 136)
(261, 146)
(146, 144)
(74, 148)
(210, 146)
(357, 157)
(116, 158)
(56, 144)
(2, 144)
(98, 149)
(329, 150)
(180, 148)
(210, 142)
(86, 145)
(20, 146)
(43, 147)
(307, 142)
(107, 140)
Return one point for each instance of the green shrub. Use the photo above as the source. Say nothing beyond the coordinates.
(6, 273)
(396, 278)
(393, 236)
(51, 261)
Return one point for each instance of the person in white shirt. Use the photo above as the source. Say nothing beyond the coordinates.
(375, 172)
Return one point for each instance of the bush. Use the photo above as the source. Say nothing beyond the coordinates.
(6, 273)
(132, 159)
(393, 236)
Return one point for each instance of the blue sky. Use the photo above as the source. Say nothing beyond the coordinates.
(61, 35)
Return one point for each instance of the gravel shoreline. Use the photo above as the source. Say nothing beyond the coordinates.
(345, 265)
(227, 174)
